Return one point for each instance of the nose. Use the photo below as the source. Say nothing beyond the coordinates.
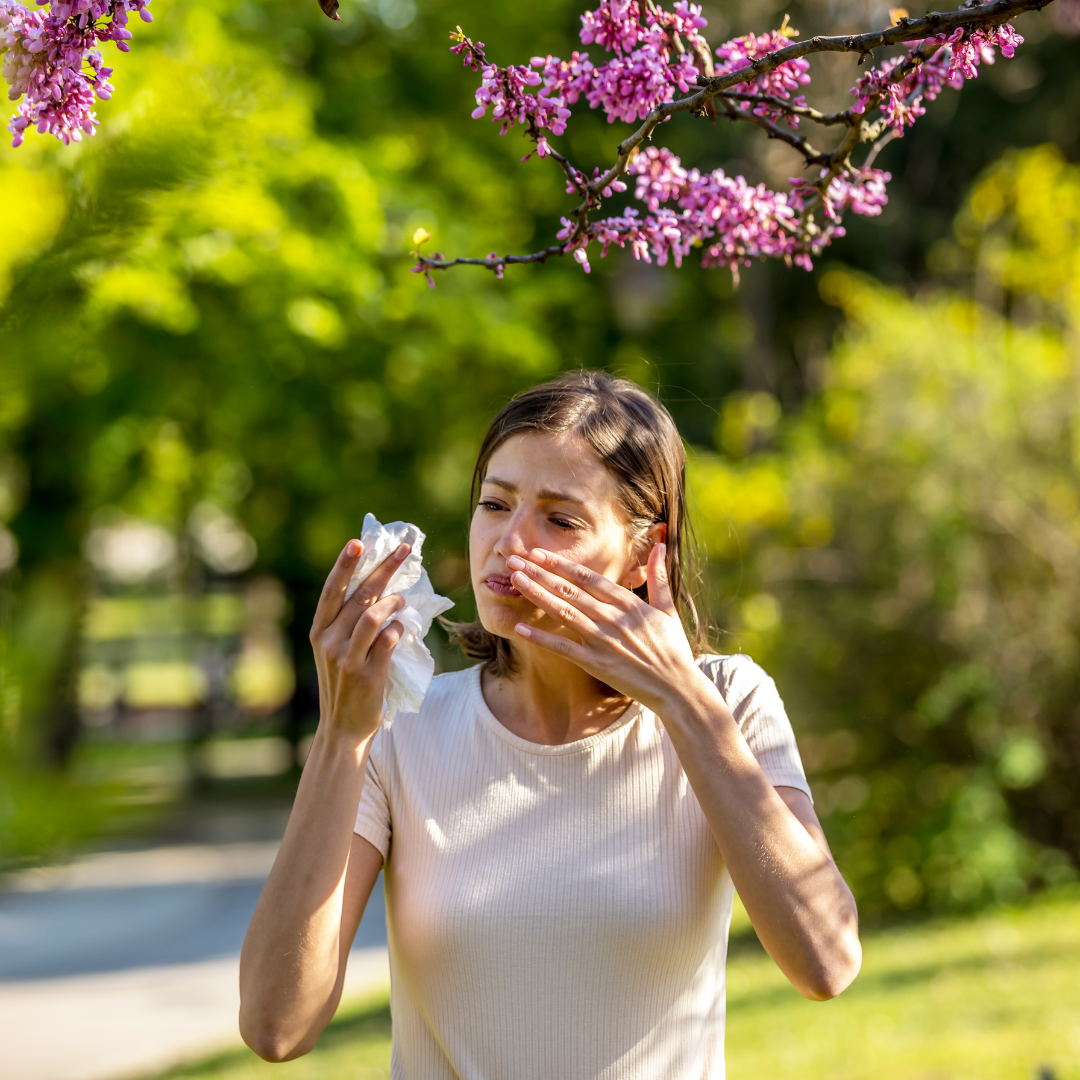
(515, 538)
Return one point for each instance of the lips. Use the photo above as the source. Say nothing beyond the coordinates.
(500, 585)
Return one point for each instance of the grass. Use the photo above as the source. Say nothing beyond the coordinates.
(995, 997)
(988, 998)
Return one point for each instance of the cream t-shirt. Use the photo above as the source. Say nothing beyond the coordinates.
(556, 912)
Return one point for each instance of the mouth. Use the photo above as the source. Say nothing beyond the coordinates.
(500, 585)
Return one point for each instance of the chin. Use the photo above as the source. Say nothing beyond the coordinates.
(496, 615)
(499, 619)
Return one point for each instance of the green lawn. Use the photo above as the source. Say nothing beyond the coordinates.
(989, 998)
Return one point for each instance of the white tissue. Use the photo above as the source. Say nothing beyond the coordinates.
(412, 665)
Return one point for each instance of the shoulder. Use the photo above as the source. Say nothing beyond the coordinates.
(735, 675)
(745, 685)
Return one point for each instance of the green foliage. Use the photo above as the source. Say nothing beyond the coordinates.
(910, 556)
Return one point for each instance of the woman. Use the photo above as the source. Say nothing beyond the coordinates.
(561, 825)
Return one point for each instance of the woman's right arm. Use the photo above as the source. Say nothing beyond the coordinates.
(292, 966)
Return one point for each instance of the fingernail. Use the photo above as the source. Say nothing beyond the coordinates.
(515, 562)
(514, 579)
(353, 548)
(402, 551)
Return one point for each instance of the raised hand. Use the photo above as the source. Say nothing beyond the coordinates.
(638, 648)
(352, 654)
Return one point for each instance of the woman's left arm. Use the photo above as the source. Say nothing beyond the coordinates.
(770, 838)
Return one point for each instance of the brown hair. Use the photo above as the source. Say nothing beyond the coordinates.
(634, 436)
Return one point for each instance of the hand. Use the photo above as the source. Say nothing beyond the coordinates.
(638, 648)
(351, 653)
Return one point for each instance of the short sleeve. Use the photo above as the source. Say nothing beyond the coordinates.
(758, 709)
(373, 813)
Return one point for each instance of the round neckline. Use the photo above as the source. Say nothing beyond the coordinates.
(492, 722)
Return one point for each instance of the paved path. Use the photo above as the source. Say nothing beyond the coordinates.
(123, 963)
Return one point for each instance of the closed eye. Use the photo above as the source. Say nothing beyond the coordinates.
(564, 524)
(490, 504)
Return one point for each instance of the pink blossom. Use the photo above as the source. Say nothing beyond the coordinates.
(615, 26)
(503, 90)
(629, 88)
(862, 191)
(741, 52)
(51, 59)
(957, 58)
(730, 219)
(569, 79)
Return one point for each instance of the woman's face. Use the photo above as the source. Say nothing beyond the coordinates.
(544, 491)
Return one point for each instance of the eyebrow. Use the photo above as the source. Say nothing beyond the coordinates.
(545, 494)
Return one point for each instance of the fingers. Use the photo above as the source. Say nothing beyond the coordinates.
(588, 581)
(557, 586)
(380, 653)
(374, 585)
(558, 607)
(369, 591)
(370, 620)
(659, 585)
(554, 643)
(326, 611)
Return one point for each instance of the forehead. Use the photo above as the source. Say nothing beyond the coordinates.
(555, 463)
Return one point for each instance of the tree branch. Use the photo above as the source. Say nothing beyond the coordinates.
(804, 112)
(774, 131)
(970, 16)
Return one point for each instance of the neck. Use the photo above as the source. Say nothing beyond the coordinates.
(550, 700)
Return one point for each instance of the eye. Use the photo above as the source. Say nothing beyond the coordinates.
(490, 504)
(562, 523)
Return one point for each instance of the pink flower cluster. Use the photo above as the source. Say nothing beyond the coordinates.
(968, 51)
(629, 87)
(862, 191)
(641, 75)
(655, 52)
(900, 97)
(741, 52)
(615, 26)
(503, 91)
(50, 57)
(732, 220)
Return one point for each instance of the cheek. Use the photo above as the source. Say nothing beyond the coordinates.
(482, 538)
(475, 555)
(595, 553)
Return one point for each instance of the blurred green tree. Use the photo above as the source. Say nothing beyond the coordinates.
(218, 317)
(907, 553)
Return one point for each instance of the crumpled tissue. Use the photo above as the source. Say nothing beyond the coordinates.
(412, 665)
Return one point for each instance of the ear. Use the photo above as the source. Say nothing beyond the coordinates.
(638, 573)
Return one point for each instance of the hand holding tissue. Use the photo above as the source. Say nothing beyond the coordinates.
(411, 665)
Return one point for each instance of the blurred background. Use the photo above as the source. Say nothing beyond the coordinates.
(214, 360)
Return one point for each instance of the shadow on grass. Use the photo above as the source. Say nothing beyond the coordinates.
(368, 1022)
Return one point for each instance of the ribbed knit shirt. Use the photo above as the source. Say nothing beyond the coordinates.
(556, 912)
